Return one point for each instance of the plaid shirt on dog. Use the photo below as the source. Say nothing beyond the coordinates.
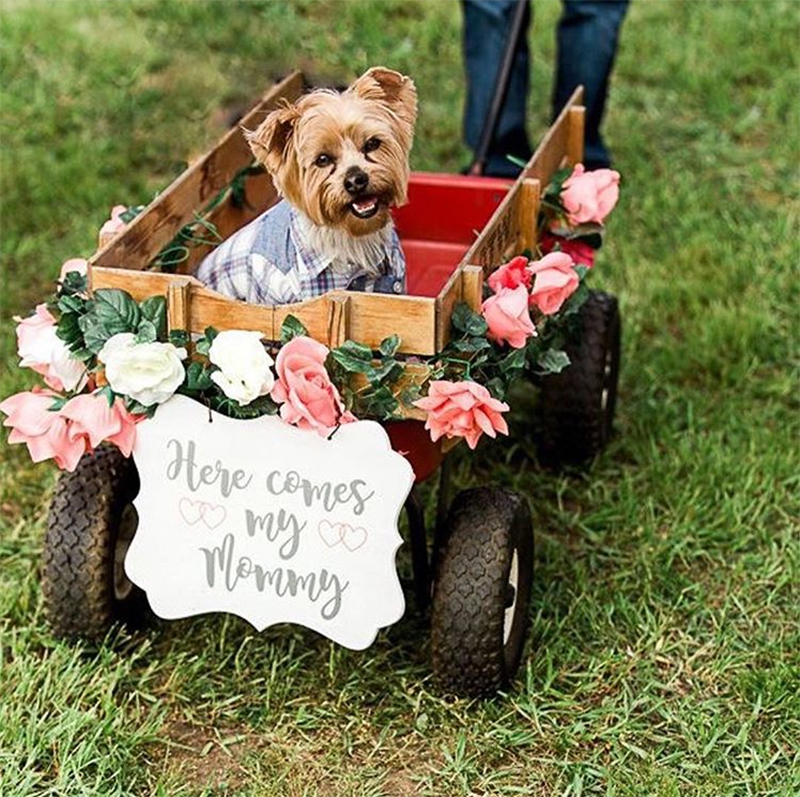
(266, 262)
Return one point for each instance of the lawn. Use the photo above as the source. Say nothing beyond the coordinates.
(665, 652)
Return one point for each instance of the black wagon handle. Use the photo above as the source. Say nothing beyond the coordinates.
(500, 91)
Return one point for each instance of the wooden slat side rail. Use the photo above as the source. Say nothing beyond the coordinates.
(527, 210)
(338, 321)
(158, 224)
(552, 151)
(447, 299)
(178, 304)
(227, 218)
(472, 287)
(577, 121)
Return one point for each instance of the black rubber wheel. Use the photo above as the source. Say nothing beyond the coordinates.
(479, 618)
(577, 405)
(89, 529)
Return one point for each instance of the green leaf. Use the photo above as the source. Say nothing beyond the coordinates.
(552, 361)
(556, 184)
(496, 387)
(68, 329)
(154, 310)
(108, 393)
(379, 403)
(130, 214)
(291, 328)
(116, 310)
(410, 394)
(514, 361)
(465, 320)
(179, 338)
(95, 334)
(255, 409)
(73, 283)
(574, 303)
(390, 345)
(140, 409)
(388, 371)
(198, 378)
(211, 333)
(473, 344)
(71, 304)
(147, 332)
(581, 270)
(357, 350)
(351, 364)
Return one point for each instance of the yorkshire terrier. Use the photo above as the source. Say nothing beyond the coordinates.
(340, 161)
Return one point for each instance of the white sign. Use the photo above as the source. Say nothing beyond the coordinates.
(269, 522)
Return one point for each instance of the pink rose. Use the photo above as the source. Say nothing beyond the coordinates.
(92, 419)
(579, 251)
(462, 409)
(308, 398)
(508, 318)
(115, 224)
(511, 275)
(41, 349)
(74, 264)
(590, 196)
(554, 282)
(44, 431)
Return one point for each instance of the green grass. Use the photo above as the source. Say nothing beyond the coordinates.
(665, 655)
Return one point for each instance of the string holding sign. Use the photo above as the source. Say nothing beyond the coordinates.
(269, 522)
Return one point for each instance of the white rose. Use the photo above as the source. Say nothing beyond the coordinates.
(40, 348)
(244, 365)
(67, 368)
(149, 373)
(122, 340)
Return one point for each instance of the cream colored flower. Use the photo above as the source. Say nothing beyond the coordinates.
(149, 373)
(245, 368)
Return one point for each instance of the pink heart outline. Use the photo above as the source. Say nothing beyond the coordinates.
(332, 531)
(190, 511)
(213, 515)
(358, 535)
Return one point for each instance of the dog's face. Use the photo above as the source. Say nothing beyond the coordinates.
(342, 159)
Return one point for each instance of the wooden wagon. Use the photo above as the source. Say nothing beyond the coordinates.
(454, 231)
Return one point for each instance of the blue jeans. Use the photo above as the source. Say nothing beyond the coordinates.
(587, 37)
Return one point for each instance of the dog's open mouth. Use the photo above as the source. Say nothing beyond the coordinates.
(365, 207)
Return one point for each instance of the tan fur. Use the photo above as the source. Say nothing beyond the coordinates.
(381, 104)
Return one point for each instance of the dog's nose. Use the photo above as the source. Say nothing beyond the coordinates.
(355, 181)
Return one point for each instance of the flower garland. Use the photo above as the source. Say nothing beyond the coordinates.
(108, 361)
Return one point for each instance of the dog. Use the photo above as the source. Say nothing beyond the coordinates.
(340, 162)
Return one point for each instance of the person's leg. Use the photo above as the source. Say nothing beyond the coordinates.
(587, 44)
(486, 26)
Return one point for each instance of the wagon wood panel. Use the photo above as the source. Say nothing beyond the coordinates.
(149, 232)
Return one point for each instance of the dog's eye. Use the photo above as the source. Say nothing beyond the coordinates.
(372, 144)
(323, 160)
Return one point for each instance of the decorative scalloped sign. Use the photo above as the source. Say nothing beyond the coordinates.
(269, 522)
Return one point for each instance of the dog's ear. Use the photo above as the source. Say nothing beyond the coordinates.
(270, 139)
(397, 91)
